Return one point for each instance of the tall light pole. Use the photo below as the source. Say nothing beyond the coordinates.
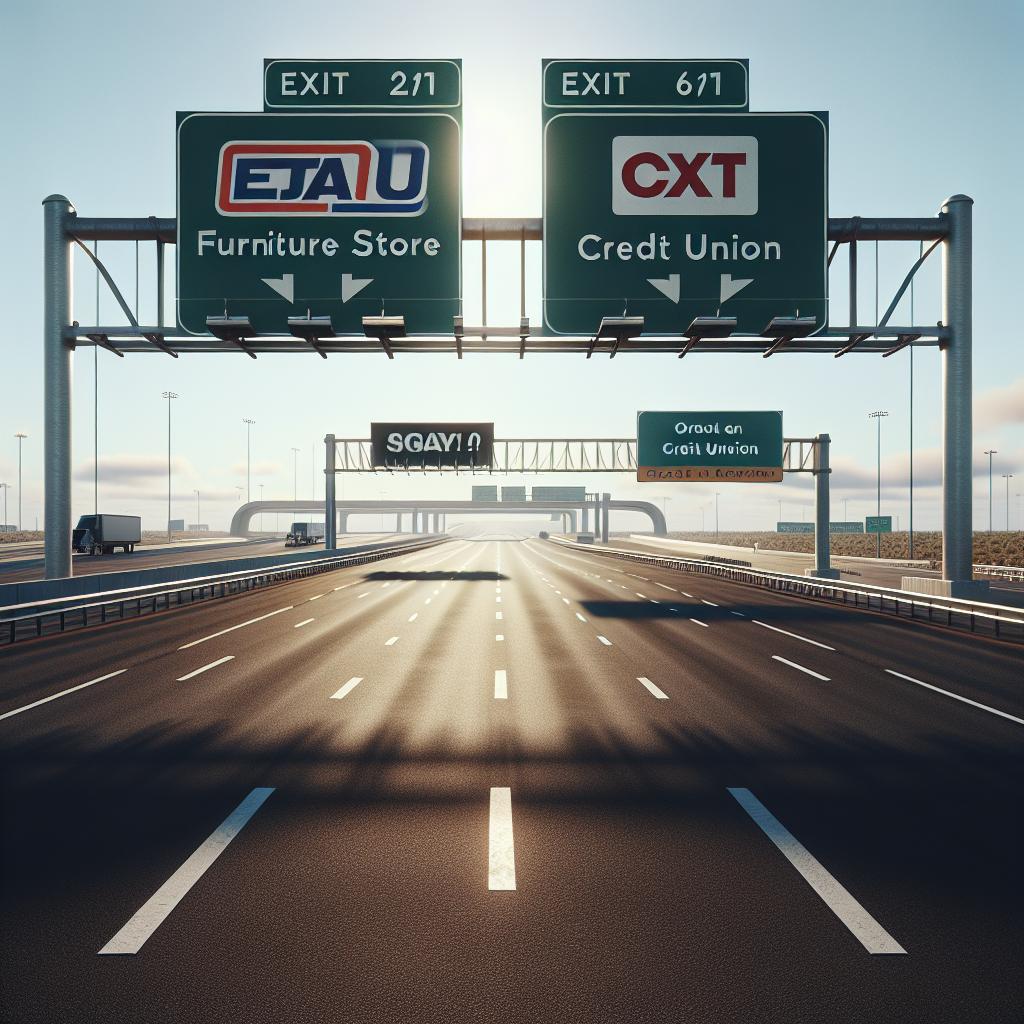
(21, 437)
(295, 474)
(878, 416)
(169, 395)
(6, 488)
(1007, 477)
(198, 517)
(990, 452)
(248, 457)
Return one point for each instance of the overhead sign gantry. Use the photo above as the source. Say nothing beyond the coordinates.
(344, 206)
(666, 201)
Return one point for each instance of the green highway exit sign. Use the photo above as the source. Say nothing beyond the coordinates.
(878, 524)
(700, 446)
(343, 215)
(304, 84)
(671, 214)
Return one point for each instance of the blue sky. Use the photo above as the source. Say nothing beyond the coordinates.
(924, 101)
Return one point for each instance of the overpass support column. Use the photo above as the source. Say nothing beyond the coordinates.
(605, 501)
(57, 211)
(343, 522)
(586, 518)
(822, 513)
(330, 503)
(572, 521)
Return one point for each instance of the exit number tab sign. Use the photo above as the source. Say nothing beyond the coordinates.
(657, 84)
(364, 84)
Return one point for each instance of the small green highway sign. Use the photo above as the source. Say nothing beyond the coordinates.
(700, 446)
(365, 84)
(792, 527)
(878, 524)
(339, 215)
(673, 84)
(846, 526)
(655, 210)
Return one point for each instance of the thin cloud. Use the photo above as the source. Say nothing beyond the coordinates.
(128, 469)
(1000, 407)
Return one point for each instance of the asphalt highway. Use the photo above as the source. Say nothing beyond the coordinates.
(509, 782)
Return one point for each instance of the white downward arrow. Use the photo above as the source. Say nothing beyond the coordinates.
(351, 286)
(731, 285)
(283, 285)
(668, 286)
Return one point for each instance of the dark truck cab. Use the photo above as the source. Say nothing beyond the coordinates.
(101, 534)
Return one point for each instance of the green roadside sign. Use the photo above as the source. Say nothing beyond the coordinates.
(793, 527)
(701, 446)
(303, 84)
(672, 212)
(878, 524)
(846, 526)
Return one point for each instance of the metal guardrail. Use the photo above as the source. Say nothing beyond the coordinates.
(1005, 572)
(45, 617)
(973, 616)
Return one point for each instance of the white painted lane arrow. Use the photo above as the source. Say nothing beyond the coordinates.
(668, 286)
(283, 285)
(351, 286)
(730, 286)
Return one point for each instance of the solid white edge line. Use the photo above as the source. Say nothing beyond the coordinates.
(501, 858)
(659, 693)
(801, 668)
(130, 939)
(795, 636)
(868, 932)
(955, 696)
(231, 629)
(63, 693)
(500, 684)
(205, 668)
(347, 688)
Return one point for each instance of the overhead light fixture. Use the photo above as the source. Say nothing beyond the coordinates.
(707, 327)
(617, 329)
(312, 329)
(785, 328)
(384, 328)
(234, 329)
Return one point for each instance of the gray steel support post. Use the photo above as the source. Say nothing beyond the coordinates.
(330, 503)
(398, 522)
(957, 433)
(343, 522)
(586, 518)
(605, 501)
(822, 513)
(57, 210)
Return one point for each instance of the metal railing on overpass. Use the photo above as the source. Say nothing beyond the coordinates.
(972, 616)
(58, 615)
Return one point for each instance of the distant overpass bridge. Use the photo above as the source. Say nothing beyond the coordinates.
(424, 514)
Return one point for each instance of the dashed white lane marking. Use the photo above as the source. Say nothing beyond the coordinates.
(347, 688)
(304, 622)
(712, 603)
(685, 594)
(565, 600)
(362, 595)
(412, 618)
(428, 600)
(231, 629)
(499, 636)
(660, 694)
(391, 642)
(697, 622)
(384, 586)
(604, 640)
(946, 693)
(500, 684)
(871, 935)
(740, 614)
(664, 587)
(205, 668)
(497, 600)
(63, 693)
(580, 617)
(638, 594)
(130, 939)
(316, 597)
(501, 857)
(498, 616)
(809, 671)
(344, 586)
(795, 636)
